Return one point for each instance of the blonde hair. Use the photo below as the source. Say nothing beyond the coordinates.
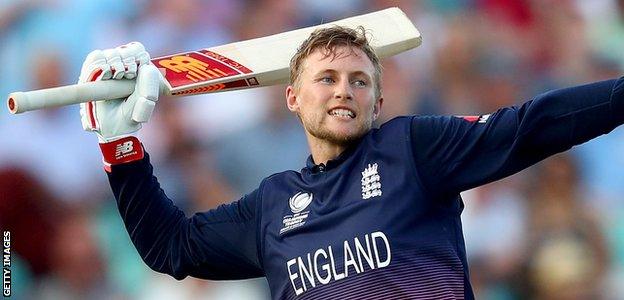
(327, 39)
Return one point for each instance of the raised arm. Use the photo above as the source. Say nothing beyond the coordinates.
(221, 243)
(454, 154)
(217, 244)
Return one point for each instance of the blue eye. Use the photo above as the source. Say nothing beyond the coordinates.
(360, 83)
(327, 80)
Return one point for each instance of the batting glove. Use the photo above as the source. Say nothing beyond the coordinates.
(116, 121)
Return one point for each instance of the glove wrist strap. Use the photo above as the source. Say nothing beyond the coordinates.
(121, 151)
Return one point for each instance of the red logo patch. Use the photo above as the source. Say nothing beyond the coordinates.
(195, 67)
(470, 118)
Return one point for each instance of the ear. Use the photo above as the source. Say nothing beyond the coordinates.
(377, 108)
(291, 99)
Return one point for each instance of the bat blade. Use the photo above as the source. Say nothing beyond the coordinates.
(246, 64)
(265, 61)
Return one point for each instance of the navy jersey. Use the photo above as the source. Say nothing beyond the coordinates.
(382, 220)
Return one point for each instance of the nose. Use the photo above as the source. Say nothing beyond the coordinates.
(343, 91)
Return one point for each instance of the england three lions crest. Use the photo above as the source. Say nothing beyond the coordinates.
(371, 182)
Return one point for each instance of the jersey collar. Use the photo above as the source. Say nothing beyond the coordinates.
(332, 163)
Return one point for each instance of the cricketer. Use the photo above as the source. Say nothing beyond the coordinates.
(373, 214)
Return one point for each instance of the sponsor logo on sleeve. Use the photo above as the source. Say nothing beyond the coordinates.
(484, 118)
(479, 119)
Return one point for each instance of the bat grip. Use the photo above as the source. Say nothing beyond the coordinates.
(20, 102)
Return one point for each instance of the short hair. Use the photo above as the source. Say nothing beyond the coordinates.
(327, 39)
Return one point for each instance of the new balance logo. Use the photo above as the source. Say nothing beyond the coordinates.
(123, 149)
(479, 119)
(371, 184)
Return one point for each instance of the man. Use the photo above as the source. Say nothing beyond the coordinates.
(375, 213)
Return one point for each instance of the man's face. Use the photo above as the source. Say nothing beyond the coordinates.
(335, 97)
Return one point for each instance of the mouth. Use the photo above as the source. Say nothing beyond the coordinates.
(342, 112)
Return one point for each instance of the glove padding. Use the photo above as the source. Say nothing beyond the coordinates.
(115, 119)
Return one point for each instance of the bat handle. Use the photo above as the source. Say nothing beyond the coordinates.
(20, 102)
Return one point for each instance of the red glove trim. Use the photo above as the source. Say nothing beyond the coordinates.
(90, 107)
(121, 151)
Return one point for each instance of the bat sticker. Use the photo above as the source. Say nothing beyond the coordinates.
(218, 87)
(194, 67)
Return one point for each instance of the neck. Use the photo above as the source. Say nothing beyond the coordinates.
(322, 151)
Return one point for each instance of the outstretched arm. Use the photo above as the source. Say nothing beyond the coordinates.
(454, 154)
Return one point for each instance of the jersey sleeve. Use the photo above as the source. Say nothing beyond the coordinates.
(217, 244)
(454, 154)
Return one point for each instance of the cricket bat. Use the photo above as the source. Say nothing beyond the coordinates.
(246, 64)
